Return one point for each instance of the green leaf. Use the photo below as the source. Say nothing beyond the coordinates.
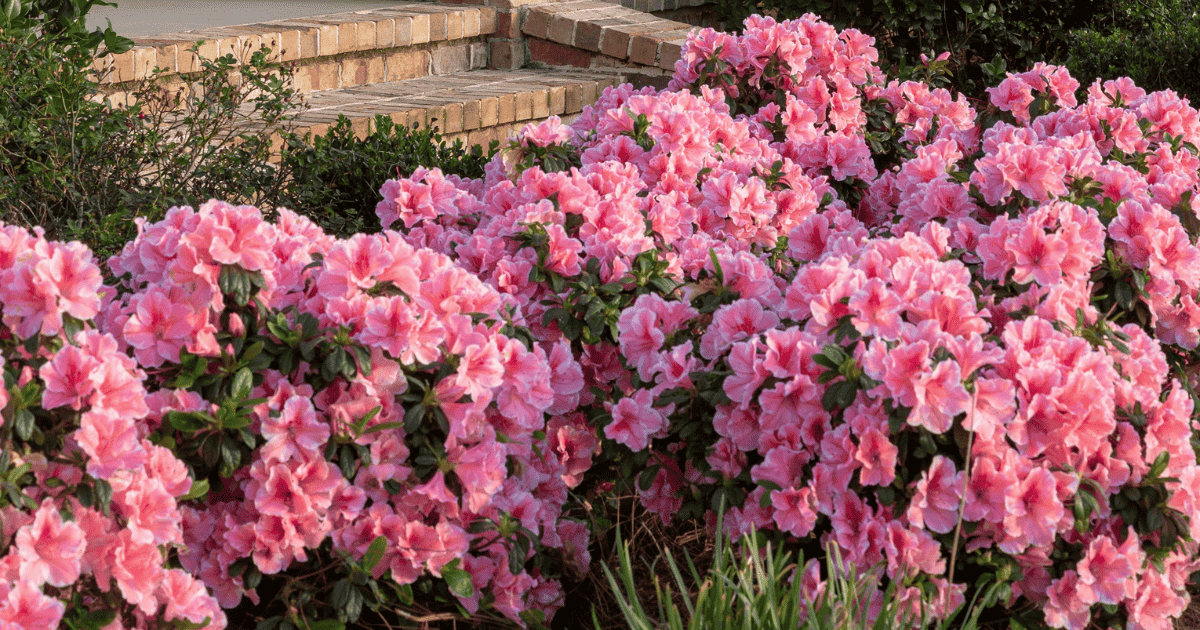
(413, 417)
(458, 580)
(24, 424)
(96, 619)
(386, 426)
(235, 421)
(14, 475)
(243, 383)
(374, 553)
(340, 594)
(327, 624)
(198, 490)
(1159, 465)
(646, 477)
(188, 421)
(270, 623)
(104, 494)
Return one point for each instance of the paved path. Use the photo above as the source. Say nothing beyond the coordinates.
(133, 18)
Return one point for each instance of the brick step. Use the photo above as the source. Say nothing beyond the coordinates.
(476, 106)
(326, 51)
(415, 39)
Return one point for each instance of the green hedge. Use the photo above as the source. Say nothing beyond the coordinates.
(1155, 44)
(1017, 32)
(336, 177)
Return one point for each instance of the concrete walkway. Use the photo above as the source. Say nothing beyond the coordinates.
(138, 18)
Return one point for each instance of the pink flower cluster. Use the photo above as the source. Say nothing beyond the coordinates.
(984, 339)
(64, 559)
(970, 290)
(412, 310)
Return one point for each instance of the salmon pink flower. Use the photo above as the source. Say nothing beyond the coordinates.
(27, 608)
(50, 549)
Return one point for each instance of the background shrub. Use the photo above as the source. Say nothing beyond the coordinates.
(1156, 44)
(973, 31)
(82, 169)
(336, 176)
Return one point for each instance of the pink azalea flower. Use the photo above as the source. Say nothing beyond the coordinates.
(935, 504)
(635, 420)
(138, 569)
(27, 608)
(1033, 512)
(1105, 574)
(50, 549)
(794, 510)
(911, 551)
(110, 441)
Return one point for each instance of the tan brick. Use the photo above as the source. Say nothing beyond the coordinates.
(562, 30)
(479, 136)
(314, 77)
(420, 29)
(299, 39)
(407, 64)
(489, 112)
(615, 43)
(165, 52)
(361, 127)
(644, 50)
(362, 71)
(367, 33)
(616, 39)
(402, 32)
(207, 49)
(234, 46)
(435, 118)
(479, 55)
(558, 100)
(327, 39)
(523, 106)
(347, 37)
(470, 23)
(185, 60)
(537, 23)
(506, 54)
(487, 20)
(454, 25)
(589, 92)
(385, 32)
(102, 68)
(123, 65)
(451, 59)
(587, 36)
(669, 53)
(454, 118)
(437, 27)
(574, 99)
(506, 109)
(512, 4)
(541, 103)
(471, 117)
(273, 41)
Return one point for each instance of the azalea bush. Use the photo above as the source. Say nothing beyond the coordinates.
(959, 345)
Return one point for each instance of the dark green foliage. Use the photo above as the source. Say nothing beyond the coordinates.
(974, 31)
(83, 170)
(1157, 44)
(336, 177)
